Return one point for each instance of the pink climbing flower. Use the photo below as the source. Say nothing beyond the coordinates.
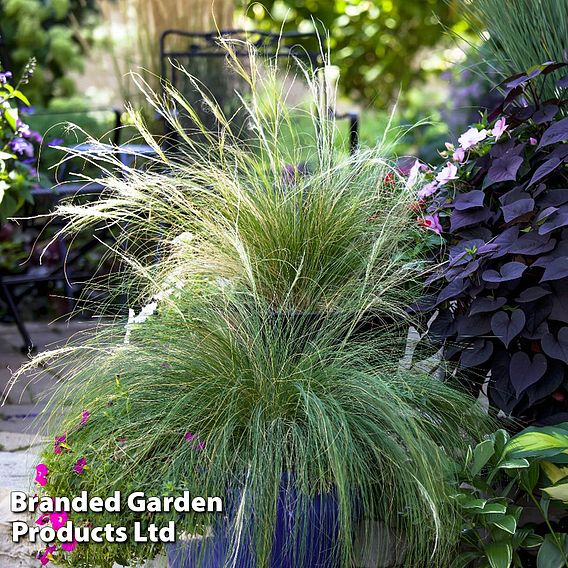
(431, 222)
(80, 466)
(59, 441)
(84, 417)
(47, 555)
(471, 137)
(58, 519)
(69, 546)
(499, 128)
(41, 474)
(459, 155)
(447, 174)
(427, 190)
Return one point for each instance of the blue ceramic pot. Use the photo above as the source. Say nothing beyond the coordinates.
(318, 549)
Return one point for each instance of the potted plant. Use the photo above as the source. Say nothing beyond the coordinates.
(209, 390)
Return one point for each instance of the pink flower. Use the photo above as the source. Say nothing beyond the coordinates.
(431, 222)
(500, 127)
(533, 141)
(47, 555)
(459, 155)
(59, 440)
(42, 519)
(447, 174)
(427, 190)
(189, 436)
(471, 137)
(201, 446)
(80, 466)
(41, 474)
(413, 174)
(84, 417)
(58, 519)
(69, 546)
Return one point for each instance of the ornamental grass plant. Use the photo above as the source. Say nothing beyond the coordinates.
(247, 362)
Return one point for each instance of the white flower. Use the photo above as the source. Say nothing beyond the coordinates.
(500, 127)
(471, 137)
(447, 174)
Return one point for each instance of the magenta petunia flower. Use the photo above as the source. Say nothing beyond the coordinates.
(471, 137)
(432, 222)
(47, 555)
(427, 190)
(459, 155)
(84, 417)
(533, 141)
(69, 546)
(42, 519)
(41, 474)
(58, 519)
(80, 466)
(500, 127)
(59, 440)
(447, 174)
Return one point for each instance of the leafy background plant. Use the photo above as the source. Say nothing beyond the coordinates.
(53, 32)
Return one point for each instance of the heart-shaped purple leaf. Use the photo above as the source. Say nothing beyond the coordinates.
(556, 347)
(507, 328)
(473, 326)
(556, 269)
(545, 169)
(553, 198)
(484, 305)
(461, 252)
(469, 200)
(557, 132)
(545, 213)
(517, 209)
(459, 219)
(500, 245)
(524, 372)
(453, 289)
(554, 378)
(509, 271)
(559, 304)
(555, 221)
(503, 169)
(531, 294)
(563, 82)
(545, 114)
(443, 326)
(476, 353)
(532, 243)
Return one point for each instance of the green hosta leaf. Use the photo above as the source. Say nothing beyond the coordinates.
(501, 437)
(514, 463)
(499, 554)
(470, 503)
(508, 523)
(532, 541)
(481, 455)
(558, 492)
(494, 509)
(541, 442)
(464, 560)
(552, 554)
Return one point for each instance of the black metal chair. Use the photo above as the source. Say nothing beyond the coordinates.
(202, 56)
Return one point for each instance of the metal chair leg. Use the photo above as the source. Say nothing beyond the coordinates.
(28, 346)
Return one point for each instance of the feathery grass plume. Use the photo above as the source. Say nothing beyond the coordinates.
(285, 211)
(525, 34)
(252, 360)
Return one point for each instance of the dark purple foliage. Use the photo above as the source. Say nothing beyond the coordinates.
(502, 298)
